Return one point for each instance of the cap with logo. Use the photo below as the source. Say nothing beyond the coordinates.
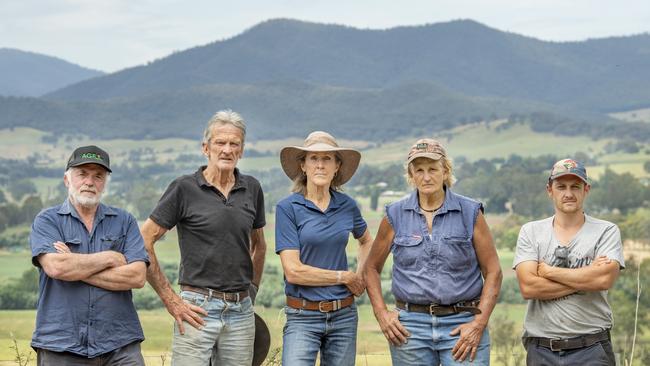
(568, 167)
(426, 148)
(89, 155)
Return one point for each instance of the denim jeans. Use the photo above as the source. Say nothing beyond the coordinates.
(229, 327)
(307, 332)
(599, 353)
(430, 342)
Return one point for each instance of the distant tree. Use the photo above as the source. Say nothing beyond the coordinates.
(510, 293)
(4, 221)
(12, 212)
(636, 226)
(506, 341)
(21, 293)
(3, 198)
(612, 191)
(646, 166)
(31, 207)
(20, 188)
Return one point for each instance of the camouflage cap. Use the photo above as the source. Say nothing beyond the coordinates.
(568, 167)
(426, 148)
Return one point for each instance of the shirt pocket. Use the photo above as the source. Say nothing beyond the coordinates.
(113, 242)
(458, 251)
(73, 244)
(407, 250)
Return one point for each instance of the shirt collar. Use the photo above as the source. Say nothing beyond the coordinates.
(450, 203)
(200, 178)
(335, 200)
(67, 208)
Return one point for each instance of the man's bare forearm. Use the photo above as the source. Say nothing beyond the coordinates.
(151, 233)
(120, 278)
(78, 267)
(533, 286)
(258, 254)
(588, 278)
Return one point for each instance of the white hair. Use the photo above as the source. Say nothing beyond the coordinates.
(224, 117)
(83, 200)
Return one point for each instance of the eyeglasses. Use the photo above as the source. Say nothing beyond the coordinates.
(561, 257)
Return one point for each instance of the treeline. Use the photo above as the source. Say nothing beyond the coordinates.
(365, 114)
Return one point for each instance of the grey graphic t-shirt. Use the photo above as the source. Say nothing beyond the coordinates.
(584, 312)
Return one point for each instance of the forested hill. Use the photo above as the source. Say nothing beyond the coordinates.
(32, 74)
(464, 56)
(272, 111)
(289, 77)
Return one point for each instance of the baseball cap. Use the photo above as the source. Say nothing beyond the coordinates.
(89, 155)
(568, 167)
(426, 148)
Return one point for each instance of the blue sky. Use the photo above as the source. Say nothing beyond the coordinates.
(113, 34)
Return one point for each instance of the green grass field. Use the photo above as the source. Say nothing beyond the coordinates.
(372, 347)
(474, 141)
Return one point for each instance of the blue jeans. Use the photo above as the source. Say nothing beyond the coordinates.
(430, 342)
(229, 327)
(307, 332)
(599, 353)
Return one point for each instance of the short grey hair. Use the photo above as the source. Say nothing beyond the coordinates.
(224, 117)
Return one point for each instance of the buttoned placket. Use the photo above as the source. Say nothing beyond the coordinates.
(428, 236)
(92, 248)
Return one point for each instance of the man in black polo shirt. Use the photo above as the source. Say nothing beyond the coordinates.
(219, 216)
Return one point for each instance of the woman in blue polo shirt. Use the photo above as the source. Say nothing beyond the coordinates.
(312, 228)
(446, 273)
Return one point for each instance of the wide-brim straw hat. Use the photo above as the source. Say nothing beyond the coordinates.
(319, 141)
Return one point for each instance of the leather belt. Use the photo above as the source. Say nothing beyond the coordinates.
(440, 310)
(570, 343)
(214, 294)
(322, 306)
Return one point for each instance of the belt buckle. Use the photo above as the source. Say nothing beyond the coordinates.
(553, 349)
(431, 308)
(320, 306)
(231, 295)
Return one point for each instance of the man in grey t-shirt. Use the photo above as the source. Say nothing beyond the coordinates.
(565, 264)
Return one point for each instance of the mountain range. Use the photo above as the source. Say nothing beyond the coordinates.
(288, 77)
(32, 74)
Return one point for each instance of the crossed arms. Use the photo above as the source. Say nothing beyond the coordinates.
(108, 269)
(538, 280)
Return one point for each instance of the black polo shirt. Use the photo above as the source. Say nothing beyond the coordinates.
(213, 232)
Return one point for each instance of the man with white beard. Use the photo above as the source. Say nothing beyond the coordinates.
(89, 256)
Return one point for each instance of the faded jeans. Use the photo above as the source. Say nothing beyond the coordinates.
(430, 342)
(307, 332)
(229, 327)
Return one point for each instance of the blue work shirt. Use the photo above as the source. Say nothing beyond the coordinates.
(320, 237)
(438, 267)
(74, 316)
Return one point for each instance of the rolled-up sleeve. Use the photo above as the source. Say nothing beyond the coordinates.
(43, 235)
